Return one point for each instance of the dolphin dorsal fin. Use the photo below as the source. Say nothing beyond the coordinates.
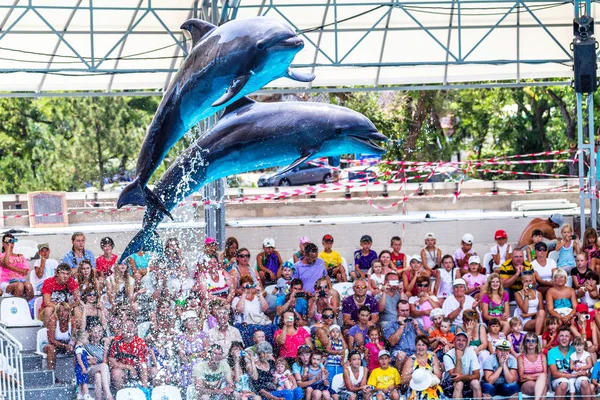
(197, 28)
(244, 101)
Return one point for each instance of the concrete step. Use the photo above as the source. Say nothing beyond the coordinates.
(56, 392)
(27, 335)
(36, 379)
(32, 361)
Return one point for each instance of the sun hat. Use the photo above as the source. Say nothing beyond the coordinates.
(421, 379)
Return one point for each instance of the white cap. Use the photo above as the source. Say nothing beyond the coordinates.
(474, 260)
(189, 314)
(459, 281)
(436, 312)
(334, 326)
(269, 242)
(415, 257)
(467, 238)
(429, 235)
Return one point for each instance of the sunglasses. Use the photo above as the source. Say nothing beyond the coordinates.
(92, 294)
(423, 285)
(323, 287)
(244, 256)
(249, 287)
(12, 240)
(534, 341)
(328, 316)
(528, 272)
(360, 287)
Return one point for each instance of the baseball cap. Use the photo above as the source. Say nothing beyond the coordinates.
(334, 326)
(541, 246)
(459, 281)
(430, 235)
(189, 314)
(210, 240)
(500, 234)
(467, 238)
(461, 333)
(327, 238)
(43, 246)
(384, 353)
(269, 242)
(366, 238)
(557, 218)
(503, 345)
(415, 257)
(474, 260)
(582, 308)
(304, 240)
(436, 312)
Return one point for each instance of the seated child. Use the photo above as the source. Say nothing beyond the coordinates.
(284, 380)
(442, 339)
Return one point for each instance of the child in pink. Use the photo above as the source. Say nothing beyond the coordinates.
(373, 347)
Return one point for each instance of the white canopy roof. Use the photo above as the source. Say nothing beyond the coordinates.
(114, 45)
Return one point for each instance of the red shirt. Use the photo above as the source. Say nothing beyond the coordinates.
(132, 353)
(398, 260)
(290, 347)
(105, 267)
(588, 329)
(59, 293)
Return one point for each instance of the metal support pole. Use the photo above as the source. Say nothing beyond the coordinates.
(581, 159)
(592, 180)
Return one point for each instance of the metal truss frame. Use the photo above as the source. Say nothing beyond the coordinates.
(454, 47)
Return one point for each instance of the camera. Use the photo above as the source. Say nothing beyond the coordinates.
(369, 387)
(586, 317)
(290, 319)
(242, 353)
(394, 283)
(322, 293)
(300, 295)
(573, 237)
(530, 286)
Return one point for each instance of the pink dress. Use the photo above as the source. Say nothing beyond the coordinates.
(373, 354)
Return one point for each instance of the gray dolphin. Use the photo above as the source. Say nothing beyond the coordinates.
(225, 63)
(251, 136)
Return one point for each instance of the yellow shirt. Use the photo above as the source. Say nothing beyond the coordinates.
(332, 259)
(384, 378)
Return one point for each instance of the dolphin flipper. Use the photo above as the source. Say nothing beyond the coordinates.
(244, 101)
(236, 86)
(136, 195)
(300, 76)
(145, 239)
(299, 161)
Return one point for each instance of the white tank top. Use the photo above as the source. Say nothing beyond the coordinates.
(534, 304)
(430, 257)
(446, 280)
(62, 336)
(361, 372)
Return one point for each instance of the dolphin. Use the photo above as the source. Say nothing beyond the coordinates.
(224, 64)
(251, 136)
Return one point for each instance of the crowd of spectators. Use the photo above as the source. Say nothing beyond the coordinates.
(422, 326)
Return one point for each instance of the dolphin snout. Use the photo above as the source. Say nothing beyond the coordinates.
(293, 41)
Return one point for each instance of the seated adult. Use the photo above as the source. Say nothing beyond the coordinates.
(457, 302)
(477, 334)
(242, 268)
(78, 252)
(325, 297)
(500, 373)
(212, 378)
(249, 312)
(560, 372)
(494, 302)
(223, 334)
(291, 336)
(321, 334)
(353, 303)
(584, 326)
(297, 300)
(60, 325)
(310, 268)
(60, 288)
(511, 270)
(543, 267)
(93, 312)
(139, 263)
(561, 299)
(401, 334)
(213, 281)
(87, 279)
(191, 346)
(120, 289)
(532, 367)
(98, 372)
(422, 359)
(262, 376)
(392, 292)
(128, 357)
(423, 302)
(44, 266)
(14, 270)
(530, 306)
(463, 369)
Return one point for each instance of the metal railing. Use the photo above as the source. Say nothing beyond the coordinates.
(11, 368)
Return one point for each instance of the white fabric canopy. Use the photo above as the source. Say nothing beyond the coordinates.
(113, 45)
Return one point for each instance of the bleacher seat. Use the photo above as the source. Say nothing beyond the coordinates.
(14, 312)
(553, 255)
(142, 329)
(166, 392)
(131, 394)
(42, 340)
(344, 289)
(486, 263)
(36, 307)
(345, 265)
(337, 382)
(31, 278)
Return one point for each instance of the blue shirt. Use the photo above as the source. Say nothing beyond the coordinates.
(407, 339)
(309, 274)
(73, 261)
(555, 357)
(363, 262)
(596, 371)
(491, 364)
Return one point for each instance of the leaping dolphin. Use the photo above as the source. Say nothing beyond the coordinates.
(251, 136)
(225, 63)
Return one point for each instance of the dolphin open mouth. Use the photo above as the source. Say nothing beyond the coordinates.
(370, 139)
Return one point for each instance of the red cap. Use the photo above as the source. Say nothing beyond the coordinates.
(582, 308)
(500, 234)
(210, 240)
(327, 237)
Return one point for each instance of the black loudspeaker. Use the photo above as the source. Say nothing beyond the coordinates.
(584, 64)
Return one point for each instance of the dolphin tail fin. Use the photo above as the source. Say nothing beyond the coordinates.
(133, 194)
(145, 239)
(156, 202)
(137, 195)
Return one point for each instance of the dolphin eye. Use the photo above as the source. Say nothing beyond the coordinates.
(338, 131)
(260, 45)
